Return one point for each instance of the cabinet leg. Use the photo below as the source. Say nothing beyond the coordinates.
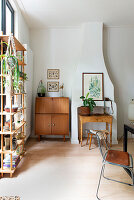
(64, 138)
(39, 138)
(1, 175)
(10, 175)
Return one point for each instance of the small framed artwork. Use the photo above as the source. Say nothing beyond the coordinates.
(53, 73)
(93, 83)
(53, 86)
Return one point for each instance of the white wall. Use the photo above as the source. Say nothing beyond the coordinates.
(91, 60)
(55, 48)
(119, 58)
(59, 48)
(21, 27)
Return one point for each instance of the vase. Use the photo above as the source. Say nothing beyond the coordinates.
(131, 110)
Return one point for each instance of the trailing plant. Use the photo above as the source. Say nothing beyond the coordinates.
(88, 102)
(10, 65)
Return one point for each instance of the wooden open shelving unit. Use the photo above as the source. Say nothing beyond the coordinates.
(18, 126)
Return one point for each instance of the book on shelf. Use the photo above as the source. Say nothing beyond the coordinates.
(7, 160)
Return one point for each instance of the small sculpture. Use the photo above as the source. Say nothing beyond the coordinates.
(62, 87)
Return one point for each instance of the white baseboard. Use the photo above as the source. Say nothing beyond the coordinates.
(114, 141)
(74, 141)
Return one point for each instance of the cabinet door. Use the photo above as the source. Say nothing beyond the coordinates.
(60, 124)
(43, 105)
(43, 124)
(60, 105)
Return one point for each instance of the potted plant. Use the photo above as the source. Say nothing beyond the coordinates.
(41, 89)
(88, 105)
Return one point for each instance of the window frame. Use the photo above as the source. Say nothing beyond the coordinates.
(5, 3)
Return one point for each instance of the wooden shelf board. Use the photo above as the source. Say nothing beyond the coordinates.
(17, 128)
(7, 151)
(21, 62)
(18, 45)
(14, 94)
(12, 113)
(7, 170)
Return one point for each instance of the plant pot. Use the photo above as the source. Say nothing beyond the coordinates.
(83, 110)
(41, 94)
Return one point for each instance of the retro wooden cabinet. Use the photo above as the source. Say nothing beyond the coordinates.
(52, 116)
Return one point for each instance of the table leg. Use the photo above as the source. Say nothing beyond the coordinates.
(125, 140)
(81, 132)
(79, 129)
(110, 134)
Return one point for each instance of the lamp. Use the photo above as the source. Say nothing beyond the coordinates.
(131, 111)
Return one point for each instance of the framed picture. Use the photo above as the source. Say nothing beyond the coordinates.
(93, 83)
(53, 86)
(53, 73)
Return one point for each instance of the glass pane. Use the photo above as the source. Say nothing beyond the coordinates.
(8, 21)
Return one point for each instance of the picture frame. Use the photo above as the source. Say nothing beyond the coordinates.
(93, 83)
(53, 73)
(53, 86)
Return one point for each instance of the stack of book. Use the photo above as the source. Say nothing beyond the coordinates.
(7, 160)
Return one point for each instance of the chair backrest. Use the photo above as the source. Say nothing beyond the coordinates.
(102, 142)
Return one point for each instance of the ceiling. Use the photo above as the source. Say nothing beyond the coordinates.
(58, 13)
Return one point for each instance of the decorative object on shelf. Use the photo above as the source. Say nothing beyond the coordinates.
(7, 126)
(131, 111)
(19, 150)
(61, 88)
(88, 105)
(14, 143)
(7, 142)
(20, 87)
(53, 86)
(93, 83)
(18, 136)
(53, 73)
(23, 76)
(41, 89)
(14, 108)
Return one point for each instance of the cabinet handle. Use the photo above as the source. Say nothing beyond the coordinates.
(53, 124)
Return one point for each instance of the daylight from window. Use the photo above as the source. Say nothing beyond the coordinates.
(0, 15)
(8, 21)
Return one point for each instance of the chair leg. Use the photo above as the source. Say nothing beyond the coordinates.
(102, 171)
(132, 176)
(87, 138)
(90, 141)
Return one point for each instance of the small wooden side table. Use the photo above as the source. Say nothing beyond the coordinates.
(94, 118)
(130, 128)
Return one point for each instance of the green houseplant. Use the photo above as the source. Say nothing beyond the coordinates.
(88, 105)
(10, 66)
(41, 89)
